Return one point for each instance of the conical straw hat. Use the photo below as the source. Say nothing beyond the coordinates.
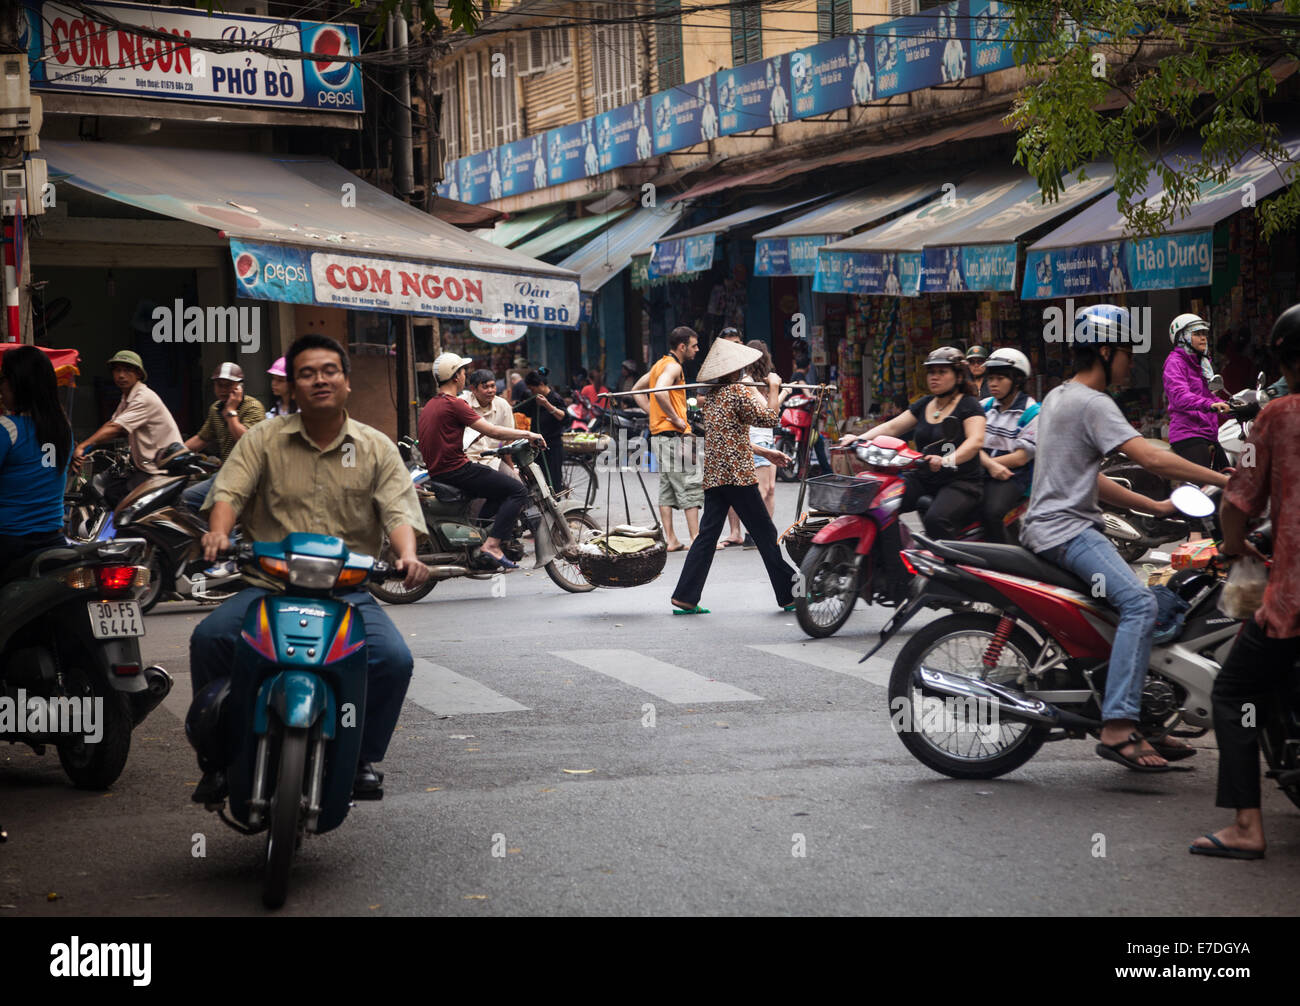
(726, 357)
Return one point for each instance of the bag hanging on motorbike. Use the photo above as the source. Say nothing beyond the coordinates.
(1243, 594)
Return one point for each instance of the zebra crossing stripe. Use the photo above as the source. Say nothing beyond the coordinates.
(665, 681)
(442, 691)
(832, 658)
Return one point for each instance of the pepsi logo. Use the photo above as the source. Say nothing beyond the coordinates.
(247, 268)
(331, 43)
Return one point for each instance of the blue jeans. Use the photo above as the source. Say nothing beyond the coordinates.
(194, 495)
(388, 661)
(1085, 556)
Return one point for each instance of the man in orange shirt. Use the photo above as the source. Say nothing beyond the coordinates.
(681, 480)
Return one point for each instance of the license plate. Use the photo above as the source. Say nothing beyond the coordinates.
(115, 619)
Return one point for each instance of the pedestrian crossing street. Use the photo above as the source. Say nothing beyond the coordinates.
(444, 692)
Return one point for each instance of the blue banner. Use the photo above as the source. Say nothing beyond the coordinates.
(833, 75)
(1169, 262)
(891, 274)
(566, 152)
(969, 267)
(676, 256)
(623, 135)
(796, 256)
(685, 116)
(916, 52)
(523, 166)
(989, 23)
(754, 96)
(272, 272)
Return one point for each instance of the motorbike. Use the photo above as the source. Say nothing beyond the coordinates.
(557, 529)
(1245, 407)
(843, 562)
(87, 516)
(286, 725)
(976, 693)
(70, 638)
(796, 425)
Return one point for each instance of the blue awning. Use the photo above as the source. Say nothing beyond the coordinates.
(692, 249)
(1089, 254)
(606, 255)
(790, 249)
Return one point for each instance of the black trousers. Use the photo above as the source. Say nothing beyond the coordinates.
(1200, 451)
(954, 500)
(508, 496)
(749, 507)
(998, 498)
(1257, 671)
(555, 460)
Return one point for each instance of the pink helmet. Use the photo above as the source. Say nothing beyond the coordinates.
(277, 369)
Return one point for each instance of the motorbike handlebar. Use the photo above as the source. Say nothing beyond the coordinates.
(243, 554)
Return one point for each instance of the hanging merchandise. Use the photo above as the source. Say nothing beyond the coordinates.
(624, 555)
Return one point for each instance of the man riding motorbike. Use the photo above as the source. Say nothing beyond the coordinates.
(317, 471)
(229, 418)
(1010, 439)
(1078, 426)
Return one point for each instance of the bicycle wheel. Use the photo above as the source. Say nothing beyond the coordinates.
(580, 479)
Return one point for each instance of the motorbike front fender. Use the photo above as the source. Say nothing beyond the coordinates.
(298, 699)
(846, 527)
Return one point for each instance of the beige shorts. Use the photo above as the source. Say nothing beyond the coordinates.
(681, 476)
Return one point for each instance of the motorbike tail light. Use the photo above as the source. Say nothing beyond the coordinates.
(351, 578)
(116, 579)
(126, 670)
(278, 568)
(907, 564)
(81, 578)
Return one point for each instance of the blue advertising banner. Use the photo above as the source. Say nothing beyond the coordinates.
(969, 267)
(675, 256)
(989, 23)
(567, 152)
(753, 96)
(623, 135)
(916, 52)
(832, 75)
(1169, 262)
(685, 116)
(796, 256)
(477, 174)
(272, 272)
(891, 274)
(522, 166)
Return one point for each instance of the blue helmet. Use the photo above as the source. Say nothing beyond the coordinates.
(1102, 323)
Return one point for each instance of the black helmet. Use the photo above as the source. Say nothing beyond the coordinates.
(204, 726)
(1284, 340)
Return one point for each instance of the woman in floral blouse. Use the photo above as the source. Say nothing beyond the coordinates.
(730, 409)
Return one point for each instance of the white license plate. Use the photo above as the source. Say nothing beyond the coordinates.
(115, 619)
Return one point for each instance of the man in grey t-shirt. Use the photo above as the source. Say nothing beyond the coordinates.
(1078, 426)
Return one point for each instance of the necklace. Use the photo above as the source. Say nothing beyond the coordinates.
(939, 411)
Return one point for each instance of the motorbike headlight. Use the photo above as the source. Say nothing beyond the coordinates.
(313, 573)
(874, 455)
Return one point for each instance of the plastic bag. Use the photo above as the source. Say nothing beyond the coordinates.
(1243, 593)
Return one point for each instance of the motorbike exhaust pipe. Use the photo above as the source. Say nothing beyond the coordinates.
(448, 572)
(158, 685)
(1009, 704)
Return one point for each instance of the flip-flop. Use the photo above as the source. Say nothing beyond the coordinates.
(727, 544)
(788, 607)
(1224, 851)
(1111, 753)
(502, 563)
(1171, 752)
(694, 609)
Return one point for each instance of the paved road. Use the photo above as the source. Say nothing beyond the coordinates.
(763, 744)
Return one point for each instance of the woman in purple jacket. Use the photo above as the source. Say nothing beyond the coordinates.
(1193, 410)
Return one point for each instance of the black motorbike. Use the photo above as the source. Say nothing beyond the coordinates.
(70, 667)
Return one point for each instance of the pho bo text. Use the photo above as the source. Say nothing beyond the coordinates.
(103, 960)
(38, 714)
(178, 323)
(1057, 327)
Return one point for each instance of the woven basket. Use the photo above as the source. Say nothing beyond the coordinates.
(623, 570)
(799, 538)
(597, 446)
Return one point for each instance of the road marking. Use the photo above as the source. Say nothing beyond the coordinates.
(442, 691)
(178, 699)
(665, 681)
(833, 658)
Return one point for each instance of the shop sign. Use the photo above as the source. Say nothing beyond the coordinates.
(833, 75)
(499, 333)
(297, 275)
(968, 267)
(623, 135)
(571, 153)
(1168, 262)
(684, 116)
(920, 51)
(642, 278)
(796, 256)
(891, 274)
(989, 21)
(522, 166)
(71, 48)
(681, 255)
(754, 96)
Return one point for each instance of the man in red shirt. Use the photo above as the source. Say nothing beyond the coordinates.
(1263, 659)
(442, 436)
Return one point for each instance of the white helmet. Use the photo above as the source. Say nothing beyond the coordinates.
(1009, 359)
(1184, 325)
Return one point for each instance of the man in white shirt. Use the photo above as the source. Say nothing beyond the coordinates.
(481, 393)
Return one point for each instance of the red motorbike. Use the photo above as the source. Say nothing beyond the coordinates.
(795, 427)
(844, 560)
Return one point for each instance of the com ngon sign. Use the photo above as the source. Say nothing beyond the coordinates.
(88, 48)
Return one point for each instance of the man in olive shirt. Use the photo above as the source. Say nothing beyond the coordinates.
(317, 471)
(229, 418)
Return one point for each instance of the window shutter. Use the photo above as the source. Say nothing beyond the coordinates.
(746, 35)
(474, 103)
(668, 44)
(902, 8)
(825, 20)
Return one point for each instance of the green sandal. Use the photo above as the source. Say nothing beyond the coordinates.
(694, 609)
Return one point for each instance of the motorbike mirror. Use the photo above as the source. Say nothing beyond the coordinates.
(1191, 501)
(1216, 383)
(1259, 379)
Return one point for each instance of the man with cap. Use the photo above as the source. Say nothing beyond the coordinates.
(976, 360)
(141, 417)
(442, 425)
(229, 418)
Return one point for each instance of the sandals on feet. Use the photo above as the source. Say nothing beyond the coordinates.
(1224, 851)
(1111, 753)
(694, 609)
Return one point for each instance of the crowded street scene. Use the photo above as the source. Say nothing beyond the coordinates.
(542, 458)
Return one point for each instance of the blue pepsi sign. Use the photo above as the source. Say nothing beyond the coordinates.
(272, 272)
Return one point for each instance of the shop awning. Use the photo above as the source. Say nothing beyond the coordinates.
(514, 230)
(606, 255)
(790, 249)
(692, 249)
(304, 230)
(1089, 253)
(566, 233)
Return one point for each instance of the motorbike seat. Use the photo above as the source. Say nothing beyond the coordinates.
(25, 566)
(1020, 562)
(446, 493)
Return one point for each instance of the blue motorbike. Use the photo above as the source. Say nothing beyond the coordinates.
(286, 725)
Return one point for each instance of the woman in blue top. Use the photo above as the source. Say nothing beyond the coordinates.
(35, 445)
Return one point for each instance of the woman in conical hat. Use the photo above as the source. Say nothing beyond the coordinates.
(730, 409)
